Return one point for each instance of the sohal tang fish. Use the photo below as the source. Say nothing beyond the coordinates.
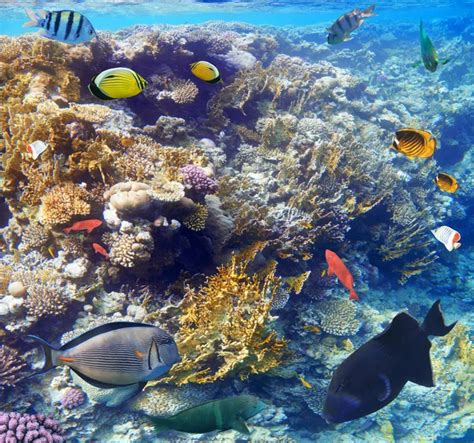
(63, 26)
(337, 267)
(373, 376)
(115, 354)
(223, 414)
(345, 24)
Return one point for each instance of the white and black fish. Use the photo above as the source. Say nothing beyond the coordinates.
(345, 24)
(373, 375)
(115, 354)
(64, 26)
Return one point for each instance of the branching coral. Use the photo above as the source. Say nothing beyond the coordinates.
(45, 301)
(129, 249)
(196, 221)
(11, 366)
(63, 203)
(337, 317)
(223, 326)
(35, 236)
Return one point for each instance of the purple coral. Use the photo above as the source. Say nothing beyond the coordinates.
(10, 366)
(196, 179)
(73, 398)
(34, 428)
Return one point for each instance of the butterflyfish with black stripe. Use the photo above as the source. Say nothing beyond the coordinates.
(63, 26)
(446, 182)
(117, 83)
(115, 354)
(341, 29)
(414, 143)
(206, 71)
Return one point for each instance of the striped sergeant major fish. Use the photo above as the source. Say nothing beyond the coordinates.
(340, 31)
(63, 26)
(115, 354)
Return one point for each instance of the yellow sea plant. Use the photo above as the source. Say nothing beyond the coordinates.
(223, 327)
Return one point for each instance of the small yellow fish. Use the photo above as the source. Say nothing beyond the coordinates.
(446, 182)
(323, 273)
(51, 251)
(117, 83)
(305, 383)
(205, 71)
(312, 328)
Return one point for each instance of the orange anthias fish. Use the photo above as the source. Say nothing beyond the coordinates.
(100, 250)
(84, 225)
(337, 267)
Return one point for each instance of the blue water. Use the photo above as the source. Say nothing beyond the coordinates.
(294, 149)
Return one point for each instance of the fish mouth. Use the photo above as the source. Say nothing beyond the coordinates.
(340, 408)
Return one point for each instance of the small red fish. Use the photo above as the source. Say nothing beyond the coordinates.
(337, 267)
(100, 250)
(84, 225)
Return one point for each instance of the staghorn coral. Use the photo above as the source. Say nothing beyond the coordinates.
(222, 326)
(337, 317)
(11, 366)
(196, 221)
(45, 301)
(63, 203)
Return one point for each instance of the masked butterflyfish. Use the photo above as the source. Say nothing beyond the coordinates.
(448, 236)
(63, 26)
(115, 354)
(117, 83)
(206, 71)
(446, 182)
(414, 143)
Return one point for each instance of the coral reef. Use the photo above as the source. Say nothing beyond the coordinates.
(11, 366)
(29, 428)
(73, 398)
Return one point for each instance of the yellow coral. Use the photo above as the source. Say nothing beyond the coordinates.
(196, 221)
(223, 327)
(64, 202)
(296, 283)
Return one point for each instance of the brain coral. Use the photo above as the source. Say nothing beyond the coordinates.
(64, 202)
(337, 317)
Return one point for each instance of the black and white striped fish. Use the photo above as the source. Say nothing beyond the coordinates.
(340, 31)
(115, 354)
(64, 26)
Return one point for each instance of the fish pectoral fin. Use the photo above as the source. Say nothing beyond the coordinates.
(157, 372)
(385, 387)
(444, 61)
(97, 384)
(240, 425)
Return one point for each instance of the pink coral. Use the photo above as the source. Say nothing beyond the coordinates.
(73, 398)
(35, 428)
(196, 179)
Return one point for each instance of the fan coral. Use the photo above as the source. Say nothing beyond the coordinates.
(73, 398)
(16, 427)
(196, 179)
(337, 317)
(45, 301)
(131, 248)
(223, 325)
(35, 236)
(197, 220)
(10, 366)
(63, 203)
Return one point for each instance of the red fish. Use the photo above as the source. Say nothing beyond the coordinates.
(100, 250)
(84, 225)
(337, 267)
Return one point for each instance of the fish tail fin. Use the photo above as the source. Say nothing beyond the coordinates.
(369, 12)
(160, 424)
(67, 230)
(434, 322)
(353, 295)
(48, 351)
(34, 19)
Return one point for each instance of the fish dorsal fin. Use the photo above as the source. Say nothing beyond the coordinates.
(418, 362)
(101, 330)
(239, 425)
(401, 325)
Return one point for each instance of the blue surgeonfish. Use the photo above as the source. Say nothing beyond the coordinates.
(373, 375)
(117, 83)
(115, 354)
(64, 26)
(340, 31)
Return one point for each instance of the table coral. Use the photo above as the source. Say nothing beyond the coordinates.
(223, 326)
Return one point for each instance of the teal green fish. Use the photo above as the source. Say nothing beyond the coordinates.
(428, 52)
(214, 415)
